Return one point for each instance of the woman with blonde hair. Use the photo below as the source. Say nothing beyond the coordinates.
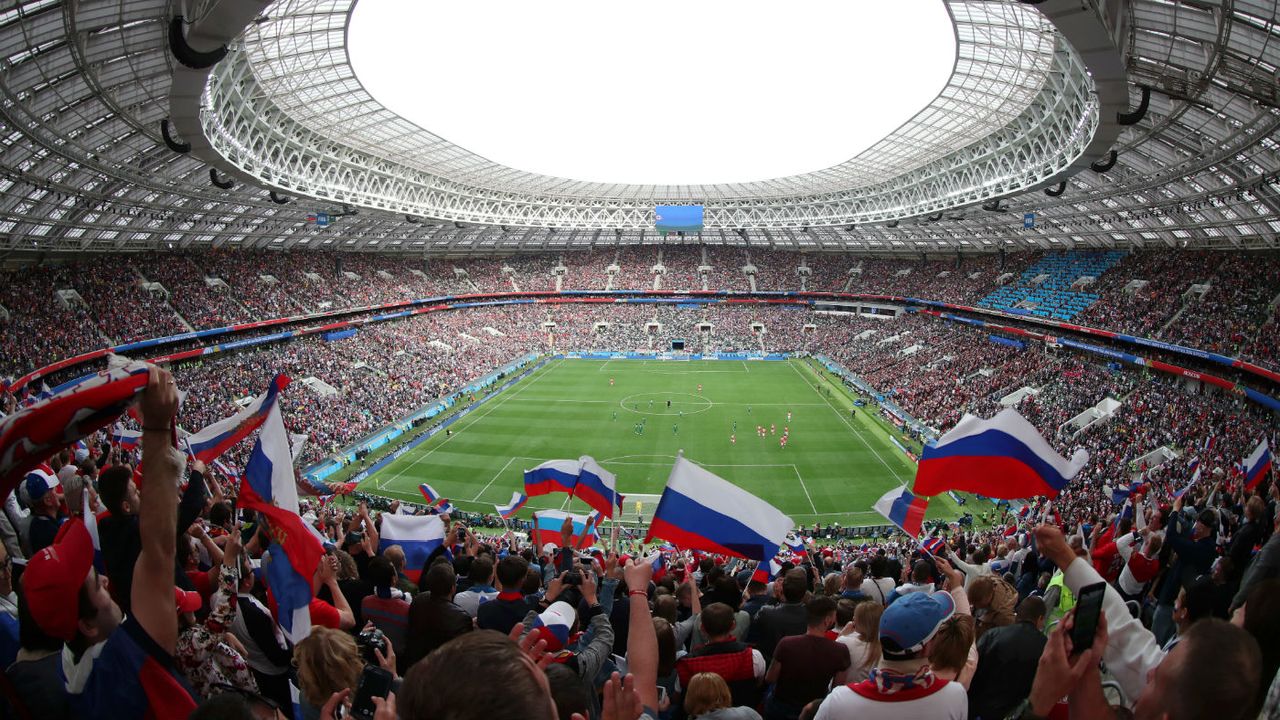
(328, 662)
(708, 698)
(862, 637)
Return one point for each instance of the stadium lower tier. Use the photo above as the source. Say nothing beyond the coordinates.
(934, 370)
(1221, 302)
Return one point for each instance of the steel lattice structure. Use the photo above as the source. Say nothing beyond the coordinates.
(85, 166)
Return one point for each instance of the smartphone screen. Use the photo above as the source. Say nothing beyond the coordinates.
(1088, 608)
(374, 682)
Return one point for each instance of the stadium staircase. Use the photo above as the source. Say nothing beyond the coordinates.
(1046, 288)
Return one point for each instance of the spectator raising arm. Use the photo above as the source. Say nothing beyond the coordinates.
(152, 590)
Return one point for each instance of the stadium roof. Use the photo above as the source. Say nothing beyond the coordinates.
(91, 89)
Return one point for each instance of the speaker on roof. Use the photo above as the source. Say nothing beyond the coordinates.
(1133, 118)
(174, 145)
(1051, 192)
(935, 217)
(994, 206)
(1102, 166)
(187, 55)
(277, 199)
(224, 184)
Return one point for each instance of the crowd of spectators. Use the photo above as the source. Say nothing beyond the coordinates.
(995, 622)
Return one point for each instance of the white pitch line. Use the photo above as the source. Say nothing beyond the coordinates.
(805, 488)
(381, 485)
(856, 432)
(495, 477)
(674, 402)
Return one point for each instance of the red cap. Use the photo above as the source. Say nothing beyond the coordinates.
(188, 601)
(53, 579)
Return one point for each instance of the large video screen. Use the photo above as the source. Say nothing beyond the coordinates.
(678, 218)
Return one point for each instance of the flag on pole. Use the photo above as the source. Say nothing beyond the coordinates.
(221, 436)
(597, 487)
(552, 476)
(1119, 495)
(935, 546)
(903, 509)
(509, 510)
(34, 433)
(766, 571)
(1257, 465)
(1003, 457)
(294, 553)
(700, 510)
(418, 535)
(432, 497)
(124, 438)
(1195, 478)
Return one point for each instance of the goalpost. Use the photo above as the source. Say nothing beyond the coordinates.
(635, 516)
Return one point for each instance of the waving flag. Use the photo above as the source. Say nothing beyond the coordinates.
(597, 487)
(269, 471)
(1119, 495)
(124, 438)
(700, 510)
(935, 546)
(1195, 478)
(903, 509)
(444, 508)
(547, 524)
(793, 542)
(1003, 457)
(509, 510)
(294, 553)
(34, 433)
(1257, 465)
(418, 535)
(221, 436)
(766, 571)
(552, 476)
(432, 497)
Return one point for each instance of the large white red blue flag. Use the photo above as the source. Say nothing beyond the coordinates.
(903, 509)
(1004, 458)
(552, 476)
(34, 433)
(702, 511)
(1257, 465)
(417, 535)
(221, 436)
(269, 488)
(547, 524)
(597, 487)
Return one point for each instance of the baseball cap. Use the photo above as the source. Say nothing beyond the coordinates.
(188, 601)
(53, 579)
(911, 621)
(40, 482)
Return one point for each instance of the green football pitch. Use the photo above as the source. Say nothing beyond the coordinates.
(633, 416)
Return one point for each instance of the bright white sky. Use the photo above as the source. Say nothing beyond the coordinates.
(666, 92)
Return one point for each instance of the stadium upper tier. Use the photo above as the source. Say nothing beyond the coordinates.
(1221, 302)
(128, 127)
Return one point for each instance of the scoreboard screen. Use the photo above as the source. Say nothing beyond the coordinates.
(678, 218)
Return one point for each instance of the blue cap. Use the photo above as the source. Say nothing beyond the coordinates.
(913, 620)
(39, 483)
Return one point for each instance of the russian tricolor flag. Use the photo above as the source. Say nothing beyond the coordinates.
(509, 510)
(766, 571)
(124, 438)
(793, 542)
(547, 524)
(418, 535)
(1119, 495)
(700, 510)
(552, 476)
(219, 437)
(1195, 478)
(1257, 465)
(597, 487)
(903, 509)
(432, 497)
(935, 546)
(1002, 458)
(269, 488)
